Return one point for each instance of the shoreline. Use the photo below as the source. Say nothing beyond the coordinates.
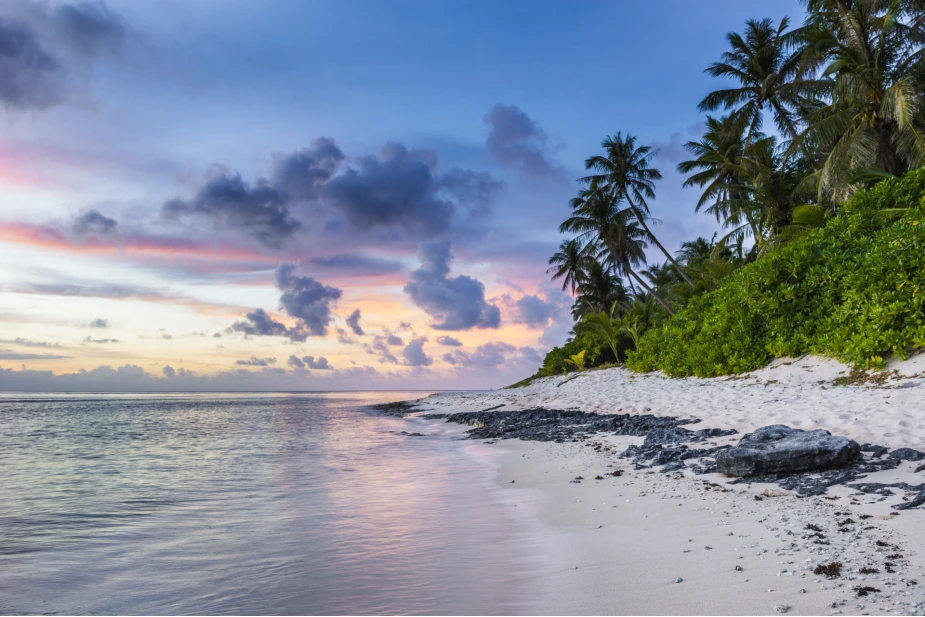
(618, 545)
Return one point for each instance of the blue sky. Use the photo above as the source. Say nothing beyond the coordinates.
(179, 102)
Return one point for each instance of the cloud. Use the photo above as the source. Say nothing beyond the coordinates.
(228, 201)
(162, 334)
(98, 323)
(306, 299)
(380, 347)
(29, 76)
(99, 341)
(41, 46)
(535, 312)
(414, 353)
(357, 265)
(393, 340)
(255, 361)
(456, 303)
(344, 338)
(303, 298)
(259, 323)
(402, 188)
(321, 364)
(91, 222)
(30, 343)
(449, 341)
(494, 354)
(168, 371)
(12, 355)
(516, 140)
(353, 321)
(90, 27)
(262, 209)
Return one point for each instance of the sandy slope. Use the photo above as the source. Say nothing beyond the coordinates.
(655, 527)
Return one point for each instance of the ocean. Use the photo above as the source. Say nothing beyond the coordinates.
(276, 503)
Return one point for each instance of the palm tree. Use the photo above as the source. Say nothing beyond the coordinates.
(598, 220)
(605, 326)
(568, 263)
(626, 173)
(871, 56)
(719, 166)
(767, 74)
(599, 289)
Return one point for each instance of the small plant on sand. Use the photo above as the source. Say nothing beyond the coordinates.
(829, 570)
(578, 360)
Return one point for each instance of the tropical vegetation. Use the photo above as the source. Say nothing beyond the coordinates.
(809, 164)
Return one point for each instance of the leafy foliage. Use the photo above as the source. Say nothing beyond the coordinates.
(853, 290)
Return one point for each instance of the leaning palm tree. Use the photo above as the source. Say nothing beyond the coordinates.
(768, 76)
(599, 221)
(568, 263)
(599, 288)
(625, 171)
(872, 56)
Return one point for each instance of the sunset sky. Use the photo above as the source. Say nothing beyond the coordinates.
(302, 195)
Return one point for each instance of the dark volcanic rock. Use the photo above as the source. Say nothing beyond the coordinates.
(915, 503)
(401, 408)
(781, 449)
(906, 454)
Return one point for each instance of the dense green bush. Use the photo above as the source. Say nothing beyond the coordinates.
(852, 290)
(555, 361)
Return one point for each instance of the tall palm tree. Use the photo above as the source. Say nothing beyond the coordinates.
(568, 263)
(626, 172)
(598, 219)
(767, 73)
(871, 55)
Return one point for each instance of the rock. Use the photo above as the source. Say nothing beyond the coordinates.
(919, 468)
(679, 580)
(781, 608)
(906, 454)
(781, 449)
(914, 503)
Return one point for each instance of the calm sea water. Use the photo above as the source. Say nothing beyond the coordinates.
(246, 504)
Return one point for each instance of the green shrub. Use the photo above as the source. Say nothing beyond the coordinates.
(852, 290)
(557, 360)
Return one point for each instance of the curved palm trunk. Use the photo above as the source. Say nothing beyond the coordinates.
(643, 284)
(672, 260)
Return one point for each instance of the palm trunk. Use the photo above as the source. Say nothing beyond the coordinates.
(651, 291)
(672, 260)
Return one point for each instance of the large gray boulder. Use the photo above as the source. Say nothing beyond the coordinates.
(781, 449)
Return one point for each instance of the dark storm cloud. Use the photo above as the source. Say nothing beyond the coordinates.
(29, 76)
(456, 303)
(516, 140)
(414, 353)
(449, 341)
(535, 312)
(91, 222)
(355, 264)
(353, 321)
(402, 188)
(98, 323)
(255, 361)
(306, 299)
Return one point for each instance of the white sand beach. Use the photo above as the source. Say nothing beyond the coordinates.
(649, 542)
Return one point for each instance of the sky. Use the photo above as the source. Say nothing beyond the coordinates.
(290, 195)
